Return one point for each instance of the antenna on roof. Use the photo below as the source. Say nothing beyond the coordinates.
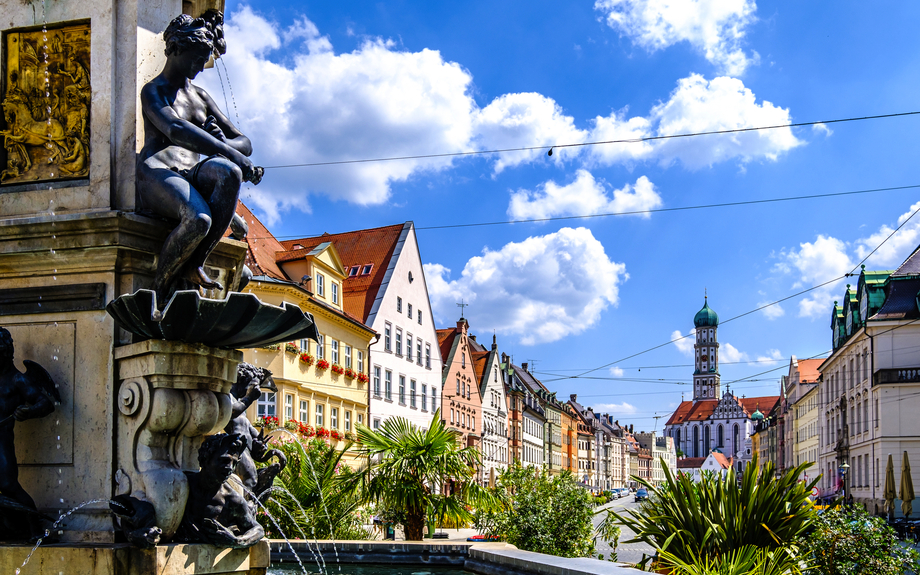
(533, 365)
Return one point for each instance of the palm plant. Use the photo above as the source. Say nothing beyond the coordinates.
(742, 561)
(716, 515)
(424, 472)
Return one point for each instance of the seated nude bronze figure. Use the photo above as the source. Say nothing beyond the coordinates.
(181, 124)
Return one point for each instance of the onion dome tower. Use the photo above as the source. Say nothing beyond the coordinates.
(706, 383)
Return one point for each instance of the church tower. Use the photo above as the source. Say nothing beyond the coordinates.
(706, 383)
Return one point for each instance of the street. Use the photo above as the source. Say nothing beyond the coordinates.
(626, 552)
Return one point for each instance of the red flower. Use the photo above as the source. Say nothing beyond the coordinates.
(322, 364)
(362, 377)
(336, 368)
(307, 359)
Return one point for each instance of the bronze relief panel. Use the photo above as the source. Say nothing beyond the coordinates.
(46, 104)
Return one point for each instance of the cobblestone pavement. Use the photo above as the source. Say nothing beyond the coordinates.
(626, 552)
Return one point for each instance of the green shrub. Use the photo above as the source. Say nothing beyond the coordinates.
(715, 516)
(847, 541)
(746, 560)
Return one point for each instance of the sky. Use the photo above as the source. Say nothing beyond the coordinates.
(313, 82)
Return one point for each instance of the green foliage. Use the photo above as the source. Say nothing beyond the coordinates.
(541, 513)
(425, 473)
(746, 560)
(712, 517)
(317, 503)
(848, 541)
(608, 531)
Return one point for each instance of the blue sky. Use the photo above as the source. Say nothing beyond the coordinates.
(320, 81)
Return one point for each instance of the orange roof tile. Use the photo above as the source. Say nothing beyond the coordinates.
(764, 404)
(446, 341)
(690, 462)
(808, 370)
(262, 246)
(479, 359)
(693, 411)
(720, 458)
(358, 248)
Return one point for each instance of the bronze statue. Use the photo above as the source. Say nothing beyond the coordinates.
(22, 396)
(250, 381)
(182, 123)
(215, 512)
(137, 520)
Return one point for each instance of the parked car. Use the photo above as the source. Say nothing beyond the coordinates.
(641, 495)
(623, 491)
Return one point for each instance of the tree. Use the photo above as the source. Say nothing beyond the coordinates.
(425, 473)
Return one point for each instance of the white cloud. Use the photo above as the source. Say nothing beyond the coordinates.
(684, 343)
(714, 27)
(895, 250)
(815, 263)
(772, 357)
(772, 312)
(730, 354)
(583, 196)
(616, 371)
(615, 408)
(541, 289)
(821, 128)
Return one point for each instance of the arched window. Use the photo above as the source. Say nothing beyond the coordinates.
(696, 441)
(677, 439)
(707, 444)
(720, 437)
(735, 443)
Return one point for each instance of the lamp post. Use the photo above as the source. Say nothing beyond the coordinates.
(843, 471)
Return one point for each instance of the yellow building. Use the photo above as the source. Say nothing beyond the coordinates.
(322, 384)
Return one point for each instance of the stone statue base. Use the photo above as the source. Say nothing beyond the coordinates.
(122, 559)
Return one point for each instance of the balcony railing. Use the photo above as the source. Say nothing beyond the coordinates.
(901, 375)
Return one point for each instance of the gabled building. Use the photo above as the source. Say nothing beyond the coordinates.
(527, 418)
(461, 402)
(716, 462)
(487, 363)
(661, 448)
(587, 445)
(384, 287)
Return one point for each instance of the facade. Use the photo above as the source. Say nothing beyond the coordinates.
(307, 392)
(800, 412)
(715, 462)
(494, 445)
(527, 416)
(869, 391)
(553, 432)
(569, 434)
(384, 288)
(765, 439)
(660, 448)
(586, 444)
(714, 420)
(461, 401)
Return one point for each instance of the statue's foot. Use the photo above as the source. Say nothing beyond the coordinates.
(200, 278)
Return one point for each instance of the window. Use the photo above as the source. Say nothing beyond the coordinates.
(458, 386)
(420, 317)
(412, 393)
(425, 397)
(304, 410)
(335, 292)
(428, 355)
(353, 271)
(452, 416)
(418, 351)
(376, 423)
(409, 346)
(334, 417)
(434, 398)
(367, 269)
(305, 346)
(347, 421)
(360, 362)
(334, 344)
(398, 341)
(376, 381)
(463, 359)
(266, 405)
(399, 304)
(409, 309)
(402, 389)
(468, 390)
(361, 418)
(387, 329)
(288, 406)
(319, 415)
(388, 381)
(320, 347)
(320, 285)
(348, 356)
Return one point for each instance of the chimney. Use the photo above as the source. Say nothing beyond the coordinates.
(574, 397)
(631, 428)
(524, 366)
(473, 337)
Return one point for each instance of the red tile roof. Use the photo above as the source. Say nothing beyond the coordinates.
(764, 404)
(446, 342)
(373, 246)
(690, 462)
(808, 370)
(479, 359)
(262, 246)
(720, 458)
(693, 411)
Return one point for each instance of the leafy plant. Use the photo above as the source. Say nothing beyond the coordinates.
(322, 364)
(716, 515)
(411, 467)
(745, 560)
(608, 531)
(307, 359)
(847, 540)
(268, 422)
(291, 348)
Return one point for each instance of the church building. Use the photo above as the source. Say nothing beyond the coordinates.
(714, 420)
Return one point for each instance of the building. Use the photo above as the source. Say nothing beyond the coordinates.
(715, 462)
(554, 433)
(660, 448)
(333, 397)
(461, 403)
(569, 434)
(527, 417)
(765, 438)
(713, 419)
(384, 288)
(494, 445)
(870, 384)
(586, 443)
(799, 418)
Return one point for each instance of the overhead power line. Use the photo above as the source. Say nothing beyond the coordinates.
(552, 147)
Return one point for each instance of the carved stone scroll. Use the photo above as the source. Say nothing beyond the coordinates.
(46, 104)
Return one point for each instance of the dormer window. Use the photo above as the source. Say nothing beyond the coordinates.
(367, 269)
(353, 271)
(298, 247)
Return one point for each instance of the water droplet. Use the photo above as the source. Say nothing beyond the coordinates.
(58, 445)
(17, 571)
(55, 358)
(62, 501)
(59, 437)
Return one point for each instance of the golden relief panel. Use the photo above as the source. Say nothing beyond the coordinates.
(46, 105)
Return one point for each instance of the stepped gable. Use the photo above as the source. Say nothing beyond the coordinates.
(693, 411)
(373, 247)
(263, 246)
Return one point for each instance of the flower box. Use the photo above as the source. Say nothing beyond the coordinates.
(292, 425)
(268, 422)
(273, 347)
(350, 373)
(322, 364)
(336, 368)
(362, 377)
(307, 359)
(291, 348)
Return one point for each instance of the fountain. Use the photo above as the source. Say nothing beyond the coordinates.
(120, 290)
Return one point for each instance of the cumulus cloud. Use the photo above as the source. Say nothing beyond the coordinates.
(896, 249)
(684, 343)
(541, 289)
(730, 354)
(616, 371)
(714, 27)
(772, 357)
(772, 312)
(821, 128)
(615, 408)
(583, 196)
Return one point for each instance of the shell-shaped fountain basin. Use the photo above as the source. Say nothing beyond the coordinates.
(240, 320)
